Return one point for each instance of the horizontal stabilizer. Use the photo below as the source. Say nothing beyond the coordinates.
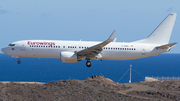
(166, 46)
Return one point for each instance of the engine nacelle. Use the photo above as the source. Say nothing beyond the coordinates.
(68, 57)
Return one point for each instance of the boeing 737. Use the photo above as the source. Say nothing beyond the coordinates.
(74, 51)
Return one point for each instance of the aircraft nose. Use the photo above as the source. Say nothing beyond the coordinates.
(3, 50)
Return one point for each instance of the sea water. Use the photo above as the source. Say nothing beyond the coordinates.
(47, 69)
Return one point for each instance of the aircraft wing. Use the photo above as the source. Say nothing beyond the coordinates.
(94, 50)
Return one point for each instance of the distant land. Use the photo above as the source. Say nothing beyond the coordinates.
(95, 88)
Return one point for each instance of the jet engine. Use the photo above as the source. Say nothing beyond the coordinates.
(68, 57)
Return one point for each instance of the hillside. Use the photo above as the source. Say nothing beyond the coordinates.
(91, 89)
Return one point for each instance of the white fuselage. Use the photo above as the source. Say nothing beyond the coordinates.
(53, 48)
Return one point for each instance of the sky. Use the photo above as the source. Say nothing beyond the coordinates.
(89, 20)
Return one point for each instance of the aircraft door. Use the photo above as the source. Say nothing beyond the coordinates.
(23, 47)
(23, 50)
(143, 51)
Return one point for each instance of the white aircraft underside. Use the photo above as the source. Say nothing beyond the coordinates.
(74, 51)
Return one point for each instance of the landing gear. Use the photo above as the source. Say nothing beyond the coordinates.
(18, 61)
(88, 63)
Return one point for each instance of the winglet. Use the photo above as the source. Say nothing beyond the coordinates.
(112, 36)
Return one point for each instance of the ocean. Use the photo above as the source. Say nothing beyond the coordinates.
(46, 69)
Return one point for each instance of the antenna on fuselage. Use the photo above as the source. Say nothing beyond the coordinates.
(130, 74)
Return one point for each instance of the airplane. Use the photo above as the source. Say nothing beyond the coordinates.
(74, 51)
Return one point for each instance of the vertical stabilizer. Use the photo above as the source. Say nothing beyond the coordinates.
(162, 33)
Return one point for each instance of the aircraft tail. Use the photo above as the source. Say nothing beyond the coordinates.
(162, 33)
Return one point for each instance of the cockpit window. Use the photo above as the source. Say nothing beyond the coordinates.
(11, 45)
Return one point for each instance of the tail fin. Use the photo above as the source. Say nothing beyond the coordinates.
(162, 33)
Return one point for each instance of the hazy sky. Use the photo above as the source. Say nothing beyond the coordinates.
(90, 20)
